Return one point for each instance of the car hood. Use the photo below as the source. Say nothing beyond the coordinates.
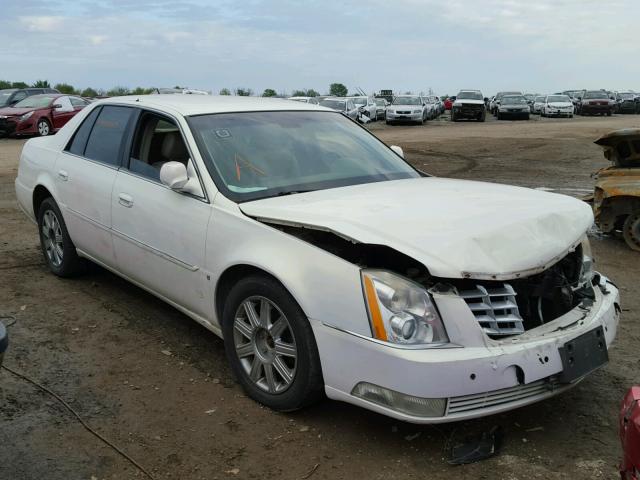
(404, 107)
(12, 112)
(456, 228)
(560, 104)
(469, 102)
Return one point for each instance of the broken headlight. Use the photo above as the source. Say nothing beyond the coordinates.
(586, 270)
(401, 311)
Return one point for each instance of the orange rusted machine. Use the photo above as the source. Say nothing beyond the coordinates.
(616, 198)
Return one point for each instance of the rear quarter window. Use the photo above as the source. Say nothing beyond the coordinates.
(79, 140)
(106, 137)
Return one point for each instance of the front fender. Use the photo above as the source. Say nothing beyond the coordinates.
(326, 287)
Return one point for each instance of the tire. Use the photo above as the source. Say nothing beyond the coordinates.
(526, 117)
(252, 349)
(43, 127)
(631, 231)
(483, 117)
(453, 117)
(609, 113)
(387, 122)
(499, 116)
(57, 248)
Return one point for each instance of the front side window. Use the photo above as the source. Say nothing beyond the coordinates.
(4, 96)
(78, 102)
(157, 140)
(255, 155)
(19, 96)
(107, 135)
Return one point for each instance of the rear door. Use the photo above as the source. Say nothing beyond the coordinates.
(159, 234)
(86, 171)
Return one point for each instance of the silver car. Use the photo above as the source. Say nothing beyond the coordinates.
(343, 105)
(407, 108)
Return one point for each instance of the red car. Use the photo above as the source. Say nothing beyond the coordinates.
(630, 435)
(448, 103)
(40, 114)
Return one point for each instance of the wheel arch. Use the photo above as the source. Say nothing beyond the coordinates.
(40, 193)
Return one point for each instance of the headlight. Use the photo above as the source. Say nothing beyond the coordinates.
(389, 110)
(586, 271)
(401, 311)
(25, 116)
(417, 111)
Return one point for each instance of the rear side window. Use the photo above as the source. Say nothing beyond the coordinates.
(105, 140)
(81, 136)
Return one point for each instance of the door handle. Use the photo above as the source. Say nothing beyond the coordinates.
(64, 176)
(125, 200)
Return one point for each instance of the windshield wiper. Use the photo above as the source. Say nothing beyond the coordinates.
(291, 192)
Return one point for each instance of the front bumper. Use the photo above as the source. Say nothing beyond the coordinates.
(469, 111)
(4, 341)
(404, 117)
(484, 379)
(12, 126)
(596, 108)
(514, 114)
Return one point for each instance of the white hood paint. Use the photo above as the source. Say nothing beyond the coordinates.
(468, 101)
(456, 228)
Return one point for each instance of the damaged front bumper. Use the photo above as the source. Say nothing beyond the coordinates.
(474, 376)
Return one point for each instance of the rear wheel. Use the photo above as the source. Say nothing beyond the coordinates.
(631, 231)
(44, 127)
(270, 345)
(609, 113)
(58, 249)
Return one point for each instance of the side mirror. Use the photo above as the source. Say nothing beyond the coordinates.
(56, 106)
(398, 150)
(579, 98)
(174, 175)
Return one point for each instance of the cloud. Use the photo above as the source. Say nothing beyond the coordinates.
(42, 23)
(97, 39)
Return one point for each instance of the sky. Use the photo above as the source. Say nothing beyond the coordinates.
(537, 46)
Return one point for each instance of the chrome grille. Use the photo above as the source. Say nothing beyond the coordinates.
(495, 308)
(480, 401)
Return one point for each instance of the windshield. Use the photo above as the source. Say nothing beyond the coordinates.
(380, 102)
(36, 101)
(596, 95)
(469, 96)
(255, 155)
(360, 100)
(539, 99)
(626, 96)
(335, 104)
(4, 96)
(407, 101)
(514, 99)
(558, 98)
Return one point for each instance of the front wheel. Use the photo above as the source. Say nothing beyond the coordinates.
(270, 345)
(631, 231)
(44, 127)
(58, 249)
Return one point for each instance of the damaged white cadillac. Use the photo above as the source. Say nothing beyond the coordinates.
(326, 262)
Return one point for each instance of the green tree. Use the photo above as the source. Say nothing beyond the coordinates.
(142, 91)
(19, 85)
(312, 93)
(299, 93)
(65, 88)
(244, 92)
(225, 91)
(42, 84)
(338, 90)
(269, 92)
(4, 84)
(118, 91)
(89, 92)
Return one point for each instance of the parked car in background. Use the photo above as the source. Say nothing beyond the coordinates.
(627, 102)
(407, 108)
(381, 107)
(311, 100)
(594, 102)
(538, 102)
(557, 106)
(512, 107)
(178, 91)
(448, 102)
(11, 96)
(366, 106)
(495, 103)
(40, 114)
(629, 431)
(469, 104)
(342, 105)
(438, 103)
(402, 296)
(530, 98)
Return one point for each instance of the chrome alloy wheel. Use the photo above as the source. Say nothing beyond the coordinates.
(43, 128)
(52, 238)
(265, 344)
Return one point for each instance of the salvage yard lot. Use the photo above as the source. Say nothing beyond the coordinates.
(157, 384)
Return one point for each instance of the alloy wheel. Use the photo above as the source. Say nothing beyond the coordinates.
(265, 344)
(52, 238)
(43, 128)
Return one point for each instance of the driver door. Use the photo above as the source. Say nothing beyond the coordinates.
(159, 234)
(62, 112)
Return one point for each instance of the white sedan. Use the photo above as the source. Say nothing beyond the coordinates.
(557, 106)
(313, 250)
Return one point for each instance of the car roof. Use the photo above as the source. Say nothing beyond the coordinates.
(206, 104)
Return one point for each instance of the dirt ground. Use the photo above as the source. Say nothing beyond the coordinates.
(157, 384)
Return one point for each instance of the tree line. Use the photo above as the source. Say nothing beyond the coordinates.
(335, 89)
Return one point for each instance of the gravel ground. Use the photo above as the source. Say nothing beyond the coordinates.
(157, 385)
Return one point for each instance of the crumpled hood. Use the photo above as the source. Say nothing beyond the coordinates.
(456, 228)
(13, 112)
(560, 104)
(401, 106)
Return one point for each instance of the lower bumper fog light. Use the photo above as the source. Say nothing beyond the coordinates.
(399, 402)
